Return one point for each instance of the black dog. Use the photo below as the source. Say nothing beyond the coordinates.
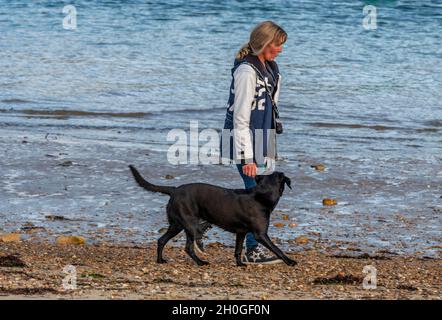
(236, 210)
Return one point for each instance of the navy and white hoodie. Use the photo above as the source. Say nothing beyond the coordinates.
(250, 112)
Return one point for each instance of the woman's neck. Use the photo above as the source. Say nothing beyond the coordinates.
(261, 58)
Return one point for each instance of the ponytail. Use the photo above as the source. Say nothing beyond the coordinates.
(245, 50)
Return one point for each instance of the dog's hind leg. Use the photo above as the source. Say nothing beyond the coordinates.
(189, 249)
(238, 248)
(264, 239)
(186, 214)
(203, 226)
(171, 232)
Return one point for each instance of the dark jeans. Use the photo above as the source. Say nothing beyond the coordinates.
(249, 182)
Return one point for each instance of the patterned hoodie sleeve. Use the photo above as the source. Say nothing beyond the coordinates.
(276, 97)
(244, 91)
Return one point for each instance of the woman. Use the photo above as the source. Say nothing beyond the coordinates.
(252, 113)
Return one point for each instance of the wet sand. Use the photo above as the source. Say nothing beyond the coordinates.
(34, 270)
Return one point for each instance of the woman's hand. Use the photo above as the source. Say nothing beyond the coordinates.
(249, 169)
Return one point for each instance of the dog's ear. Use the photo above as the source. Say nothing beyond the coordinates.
(288, 182)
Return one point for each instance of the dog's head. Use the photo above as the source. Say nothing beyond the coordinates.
(271, 187)
(276, 178)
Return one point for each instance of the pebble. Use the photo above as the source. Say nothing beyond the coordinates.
(10, 237)
(302, 240)
(329, 202)
(318, 167)
(71, 240)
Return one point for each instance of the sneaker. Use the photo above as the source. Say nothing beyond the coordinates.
(257, 255)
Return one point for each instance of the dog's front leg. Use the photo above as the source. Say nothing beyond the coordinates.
(238, 248)
(264, 239)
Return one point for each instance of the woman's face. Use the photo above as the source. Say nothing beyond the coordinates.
(271, 51)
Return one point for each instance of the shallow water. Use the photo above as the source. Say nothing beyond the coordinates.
(365, 103)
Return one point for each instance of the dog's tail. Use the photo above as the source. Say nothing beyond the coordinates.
(149, 186)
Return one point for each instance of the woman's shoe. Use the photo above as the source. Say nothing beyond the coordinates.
(257, 255)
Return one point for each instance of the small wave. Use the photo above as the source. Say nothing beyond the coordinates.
(373, 127)
(427, 130)
(194, 110)
(16, 101)
(433, 123)
(86, 126)
(351, 126)
(77, 113)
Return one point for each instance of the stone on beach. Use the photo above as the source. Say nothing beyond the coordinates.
(279, 224)
(329, 202)
(11, 261)
(10, 237)
(302, 240)
(29, 227)
(318, 167)
(340, 278)
(67, 163)
(71, 240)
(55, 218)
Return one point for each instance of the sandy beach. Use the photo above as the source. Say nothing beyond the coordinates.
(35, 270)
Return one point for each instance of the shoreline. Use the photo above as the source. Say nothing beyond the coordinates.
(34, 270)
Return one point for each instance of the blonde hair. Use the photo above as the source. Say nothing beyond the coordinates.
(263, 34)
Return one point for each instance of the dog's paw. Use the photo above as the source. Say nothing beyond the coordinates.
(203, 263)
(292, 263)
(161, 261)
